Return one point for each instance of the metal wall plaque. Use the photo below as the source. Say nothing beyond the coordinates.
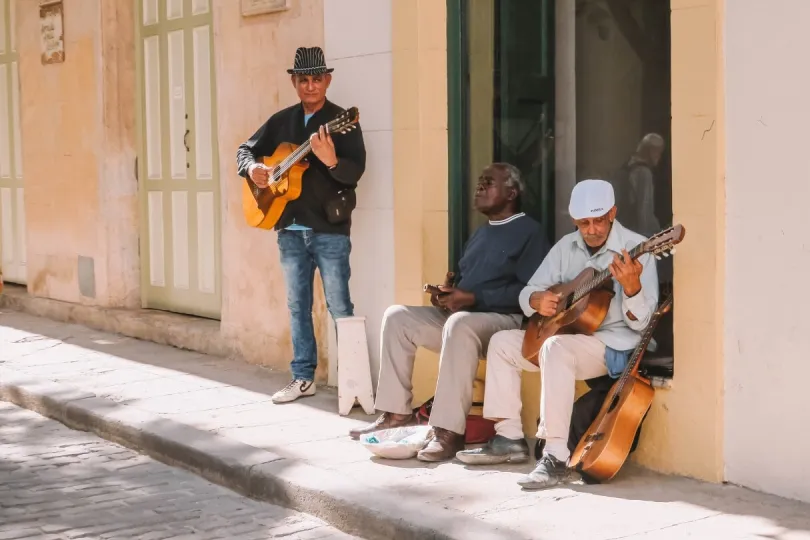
(259, 7)
(51, 31)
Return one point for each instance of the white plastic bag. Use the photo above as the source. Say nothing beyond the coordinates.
(397, 443)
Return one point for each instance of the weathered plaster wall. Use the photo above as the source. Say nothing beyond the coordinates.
(252, 55)
(767, 189)
(77, 123)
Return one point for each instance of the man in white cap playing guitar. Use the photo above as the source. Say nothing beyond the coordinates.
(598, 242)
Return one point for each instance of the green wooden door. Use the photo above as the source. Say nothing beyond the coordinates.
(178, 165)
(500, 104)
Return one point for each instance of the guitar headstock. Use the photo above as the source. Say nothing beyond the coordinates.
(663, 243)
(345, 121)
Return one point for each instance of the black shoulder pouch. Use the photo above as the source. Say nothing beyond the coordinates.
(339, 208)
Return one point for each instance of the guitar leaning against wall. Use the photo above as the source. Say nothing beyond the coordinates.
(263, 207)
(604, 448)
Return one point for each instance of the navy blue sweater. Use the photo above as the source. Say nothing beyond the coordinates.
(498, 260)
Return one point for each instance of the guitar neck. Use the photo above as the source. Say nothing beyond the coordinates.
(635, 358)
(603, 276)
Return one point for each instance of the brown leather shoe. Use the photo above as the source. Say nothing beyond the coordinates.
(444, 445)
(385, 421)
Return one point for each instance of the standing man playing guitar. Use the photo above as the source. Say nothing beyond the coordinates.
(600, 242)
(313, 230)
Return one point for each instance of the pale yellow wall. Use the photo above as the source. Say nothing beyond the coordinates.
(420, 159)
(683, 432)
(77, 121)
(251, 58)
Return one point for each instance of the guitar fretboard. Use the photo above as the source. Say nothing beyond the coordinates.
(281, 169)
(642, 345)
(291, 160)
(600, 277)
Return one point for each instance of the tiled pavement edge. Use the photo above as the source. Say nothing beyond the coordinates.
(60, 484)
(248, 470)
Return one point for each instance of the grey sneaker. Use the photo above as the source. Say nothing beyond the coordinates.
(498, 450)
(549, 472)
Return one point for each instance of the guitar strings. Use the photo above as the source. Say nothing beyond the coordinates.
(586, 287)
(280, 169)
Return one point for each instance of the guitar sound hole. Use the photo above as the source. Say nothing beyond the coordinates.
(613, 403)
(568, 301)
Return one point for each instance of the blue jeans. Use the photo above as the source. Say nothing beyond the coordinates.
(301, 252)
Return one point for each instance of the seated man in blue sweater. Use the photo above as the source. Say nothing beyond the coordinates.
(497, 262)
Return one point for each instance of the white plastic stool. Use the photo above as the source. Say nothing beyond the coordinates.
(353, 366)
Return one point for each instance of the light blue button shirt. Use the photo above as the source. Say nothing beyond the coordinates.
(618, 332)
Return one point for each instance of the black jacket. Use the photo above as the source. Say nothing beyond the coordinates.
(320, 185)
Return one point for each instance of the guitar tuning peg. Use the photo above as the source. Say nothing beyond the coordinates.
(665, 254)
(672, 251)
(658, 257)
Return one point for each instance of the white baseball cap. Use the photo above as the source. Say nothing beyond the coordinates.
(591, 198)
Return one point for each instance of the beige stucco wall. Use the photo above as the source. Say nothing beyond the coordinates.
(77, 121)
(767, 369)
(251, 58)
(83, 199)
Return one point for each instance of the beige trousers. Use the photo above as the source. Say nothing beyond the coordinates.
(564, 360)
(460, 338)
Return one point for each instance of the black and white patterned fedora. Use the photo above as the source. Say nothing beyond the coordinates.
(309, 61)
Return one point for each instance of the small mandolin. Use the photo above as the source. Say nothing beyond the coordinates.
(585, 300)
(263, 207)
(605, 446)
(435, 289)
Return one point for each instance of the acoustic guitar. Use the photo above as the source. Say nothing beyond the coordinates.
(605, 446)
(263, 207)
(585, 300)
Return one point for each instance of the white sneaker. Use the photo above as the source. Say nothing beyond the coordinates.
(296, 389)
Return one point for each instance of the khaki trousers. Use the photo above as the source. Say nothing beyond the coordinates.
(461, 339)
(564, 359)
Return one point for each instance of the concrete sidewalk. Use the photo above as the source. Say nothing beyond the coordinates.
(214, 417)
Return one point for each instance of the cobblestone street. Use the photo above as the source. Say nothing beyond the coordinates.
(60, 483)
